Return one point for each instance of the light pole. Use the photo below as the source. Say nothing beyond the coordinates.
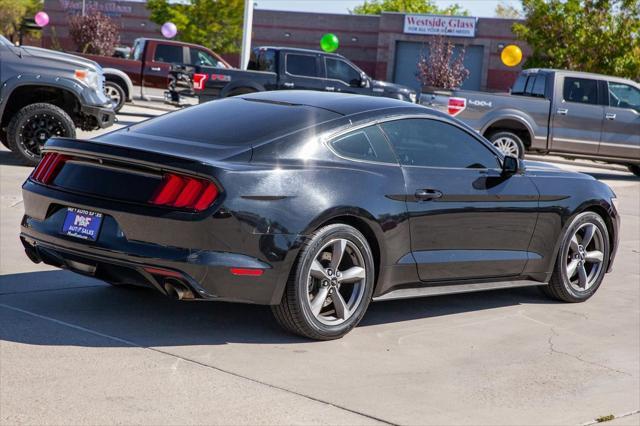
(83, 7)
(246, 34)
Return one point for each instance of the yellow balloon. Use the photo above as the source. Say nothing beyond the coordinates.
(511, 55)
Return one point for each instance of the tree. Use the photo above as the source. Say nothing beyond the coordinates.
(216, 24)
(599, 36)
(12, 12)
(439, 68)
(507, 11)
(376, 7)
(94, 33)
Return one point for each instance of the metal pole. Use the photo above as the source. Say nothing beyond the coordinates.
(83, 7)
(246, 34)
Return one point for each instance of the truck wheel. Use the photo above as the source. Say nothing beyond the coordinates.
(33, 125)
(634, 168)
(508, 143)
(116, 94)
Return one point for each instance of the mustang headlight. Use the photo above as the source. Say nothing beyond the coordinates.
(90, 78)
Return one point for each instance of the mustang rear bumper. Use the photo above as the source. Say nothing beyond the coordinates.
(205, 274)
(139, 245)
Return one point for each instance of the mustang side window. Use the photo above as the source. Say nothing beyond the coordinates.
(365, 144)
(434, 143)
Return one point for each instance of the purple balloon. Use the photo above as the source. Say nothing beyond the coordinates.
(41, 18)
(169, 30)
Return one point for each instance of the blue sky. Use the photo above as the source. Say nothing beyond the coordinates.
(482, 8)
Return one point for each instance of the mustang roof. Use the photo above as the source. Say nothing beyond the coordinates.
(340, 103)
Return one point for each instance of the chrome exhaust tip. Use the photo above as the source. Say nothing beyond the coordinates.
(177, 290)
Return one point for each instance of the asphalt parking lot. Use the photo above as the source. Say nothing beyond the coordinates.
(76, 351)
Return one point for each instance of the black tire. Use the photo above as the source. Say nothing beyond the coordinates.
(116, 94)
(504, 138)
(294, 312)
(31, 126)
(559, 286)
(634, 168)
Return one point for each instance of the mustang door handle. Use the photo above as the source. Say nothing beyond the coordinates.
(428, 194)
(610, 116)
(562, 111)
(330, 88)
(155, 68)
(289, 85)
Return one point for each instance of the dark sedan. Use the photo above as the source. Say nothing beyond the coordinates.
(315, 204)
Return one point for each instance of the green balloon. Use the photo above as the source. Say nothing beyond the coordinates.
(329, 42)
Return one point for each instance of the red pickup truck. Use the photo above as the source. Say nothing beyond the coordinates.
(145, 73)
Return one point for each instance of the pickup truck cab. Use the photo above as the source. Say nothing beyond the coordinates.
(279, 68)
(568, 113)
(145, 72)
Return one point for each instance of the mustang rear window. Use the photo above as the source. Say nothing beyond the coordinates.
(234, 122)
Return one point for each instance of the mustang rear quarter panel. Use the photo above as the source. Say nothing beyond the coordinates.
(562, 196)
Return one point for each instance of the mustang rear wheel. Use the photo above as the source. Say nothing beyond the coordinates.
(582, 260)
(331, 285)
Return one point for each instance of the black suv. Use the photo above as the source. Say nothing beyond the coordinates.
(44, 93)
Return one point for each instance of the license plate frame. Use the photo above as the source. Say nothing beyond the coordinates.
(82, 224)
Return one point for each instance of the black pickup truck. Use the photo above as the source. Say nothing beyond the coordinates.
(279, 68)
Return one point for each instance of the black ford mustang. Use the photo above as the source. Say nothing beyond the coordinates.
(316, 204)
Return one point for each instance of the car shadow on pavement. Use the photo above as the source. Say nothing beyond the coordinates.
(72, 304)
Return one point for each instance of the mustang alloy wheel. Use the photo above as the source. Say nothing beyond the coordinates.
(582, 260)
(336, 282)
(331, 285)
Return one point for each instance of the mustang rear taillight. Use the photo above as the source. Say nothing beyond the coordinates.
(48, 167)
(185, 192)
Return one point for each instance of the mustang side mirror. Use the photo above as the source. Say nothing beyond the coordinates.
(512, 165)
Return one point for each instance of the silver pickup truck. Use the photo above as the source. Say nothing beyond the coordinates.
(572, 114)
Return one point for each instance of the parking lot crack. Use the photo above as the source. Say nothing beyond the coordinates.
(552, 350)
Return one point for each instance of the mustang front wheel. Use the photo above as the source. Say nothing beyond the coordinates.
(582, 260)
(331, 285)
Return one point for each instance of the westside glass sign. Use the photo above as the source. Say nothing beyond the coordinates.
(454, 26)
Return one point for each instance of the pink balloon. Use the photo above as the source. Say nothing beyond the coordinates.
(169, 30)
(42, 19)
